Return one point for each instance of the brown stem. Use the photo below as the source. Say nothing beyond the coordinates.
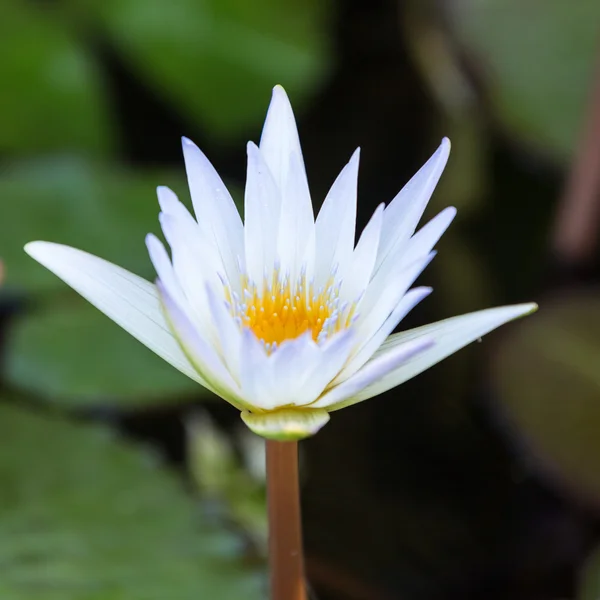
(285, 526)
(575, 234)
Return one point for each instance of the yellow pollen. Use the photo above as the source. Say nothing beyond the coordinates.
(279, 311)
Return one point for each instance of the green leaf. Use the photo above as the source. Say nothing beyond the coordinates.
(52, 92)
(73, 354)
(83, 517)
(217, 60)
(96, 207)
(547, 377)
(537, 62)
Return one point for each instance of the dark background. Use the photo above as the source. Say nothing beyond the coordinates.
(479, 479)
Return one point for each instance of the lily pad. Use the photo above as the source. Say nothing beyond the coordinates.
(99, 208)
(84, 517)
(536, 60)
(547, 377)
(74, 355)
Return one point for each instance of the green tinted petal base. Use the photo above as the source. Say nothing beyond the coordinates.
(286, 425)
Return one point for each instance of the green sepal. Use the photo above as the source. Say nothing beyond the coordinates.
(286, 425)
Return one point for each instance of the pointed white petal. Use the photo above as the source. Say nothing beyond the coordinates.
(129, 300)
(230, 336)
(254, 372)
(333, 355)
(374, 370)
(262, 210)
(279, 139)
(289, 368)
(216, 212)
(356, 279)
(199, 352)
(421, 244)
(405, 211)
(369, 346)
(428, 236)
(381, 299)
(336, 223)
(195, 265)
(164, 269)
(450, 335)
(296, 223)
(170, 204)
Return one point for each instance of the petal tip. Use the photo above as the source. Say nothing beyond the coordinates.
(38, 248)
(529, 308)
(32, 247)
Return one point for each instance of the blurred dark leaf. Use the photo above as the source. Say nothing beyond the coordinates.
(537, 60)
(85, 518)
(589, 584)
(73, 354)
(217, 59)
(52, 93)
(96, 207)
(547, 377)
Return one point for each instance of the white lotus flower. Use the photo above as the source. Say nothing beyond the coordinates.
(283, 316)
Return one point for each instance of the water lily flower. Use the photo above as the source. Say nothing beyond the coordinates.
(283, 315)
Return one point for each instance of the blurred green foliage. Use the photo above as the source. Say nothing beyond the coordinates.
(216, 58)
(55, 355)
(102, 208)
(53, 97)
(83, 516)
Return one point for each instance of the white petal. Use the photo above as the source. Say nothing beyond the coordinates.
(216, 212)
(171, 205)
(279, 139)
(356, 279)
(262, 209)
(378, 367)
(369, 346)
(129, 300)
(406, 209)
(256, 387)
(333, 355)
(290, 366)
(450, 335)
(296, 223)
(229, 333)
(428, 236)
(336, 223)
(381, 299)
(301, 369)
(164, 269)
(199, 352)
(196, 265)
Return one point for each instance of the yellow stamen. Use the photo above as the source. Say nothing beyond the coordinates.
(279, 311)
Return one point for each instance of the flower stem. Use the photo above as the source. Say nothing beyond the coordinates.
(285, 527)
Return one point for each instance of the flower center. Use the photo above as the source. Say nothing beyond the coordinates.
(279, 311)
